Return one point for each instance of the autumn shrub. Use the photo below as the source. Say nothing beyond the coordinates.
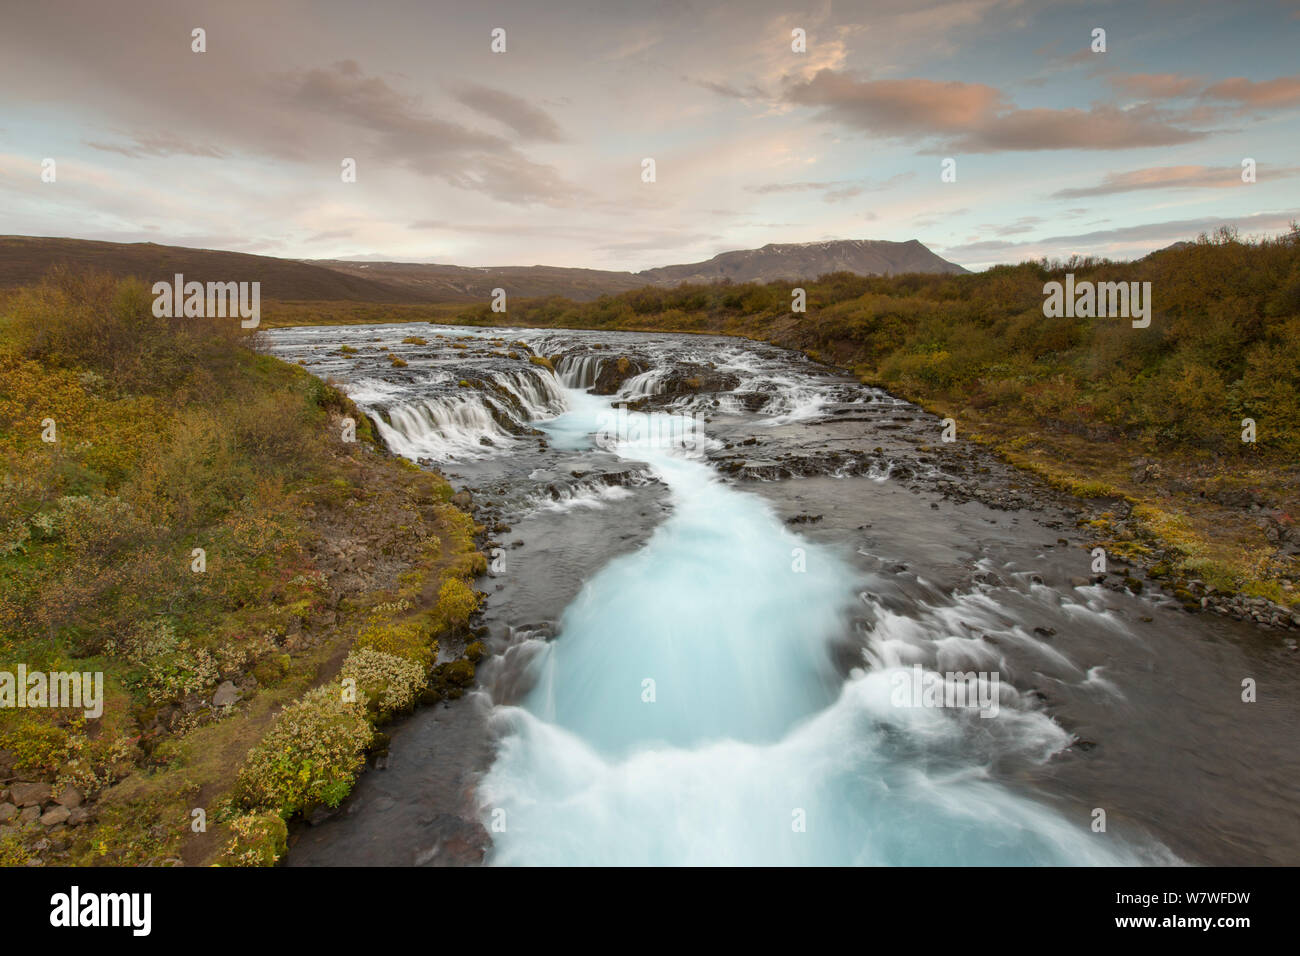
(412, 639)
(107, 325)
(391, 683)
(309, 757)
(257, 839)
(456, 602)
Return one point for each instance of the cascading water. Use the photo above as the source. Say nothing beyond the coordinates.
(441, 428)
(705, 622)
(687, 712)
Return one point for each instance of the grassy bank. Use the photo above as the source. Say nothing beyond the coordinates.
(185, 516)
(1151, 417)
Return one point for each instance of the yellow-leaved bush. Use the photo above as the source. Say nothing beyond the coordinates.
(309, 757)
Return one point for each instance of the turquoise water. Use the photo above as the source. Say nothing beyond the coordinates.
(687, 711)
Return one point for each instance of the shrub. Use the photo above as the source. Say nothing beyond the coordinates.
(456, 602)
(258, 839)
(391, 683)
(409, 639)
(310, 756)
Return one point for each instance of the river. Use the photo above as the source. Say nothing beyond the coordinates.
(731, 622)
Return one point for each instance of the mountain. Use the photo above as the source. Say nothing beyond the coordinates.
(24, 259)
(444, 283)
(774, 262)
(807, 260)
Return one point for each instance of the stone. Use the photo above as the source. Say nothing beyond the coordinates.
(78, 816)
(55, 815)
(71, 798)
(29, 815)
(7, 812)
(29, 794)
(319, 814)
(226, 695)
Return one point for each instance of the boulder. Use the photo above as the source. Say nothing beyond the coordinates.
(613, 373)
(55, 815)
(71, 798)
(226, 695)
(29, 794)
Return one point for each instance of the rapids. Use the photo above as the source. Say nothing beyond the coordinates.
(710, 601)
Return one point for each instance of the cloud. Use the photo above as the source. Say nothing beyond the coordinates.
(1267, 94)
(975, 117)
(1022, 225)
(466, 158)
(527, 120)
(1129, 239)
(752, 92)
(158, 144)
(897, 106)
(344, 93)
(1155, 86)
(832, 191)
(1168, 177)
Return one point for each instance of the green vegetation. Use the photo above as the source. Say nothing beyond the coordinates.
(1080, 401)
(199, 532)
(277, 314)
(310, 756)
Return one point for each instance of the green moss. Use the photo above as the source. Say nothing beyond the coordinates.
(271, 670)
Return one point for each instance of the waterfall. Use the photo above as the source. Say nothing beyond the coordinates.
(579, 371)
(687, 712)
(442, 427)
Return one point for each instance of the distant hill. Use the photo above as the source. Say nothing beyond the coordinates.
(808, 260)
(25, 259)
(772, 263)
(446, 283)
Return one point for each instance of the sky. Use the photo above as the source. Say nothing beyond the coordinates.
(535, 155)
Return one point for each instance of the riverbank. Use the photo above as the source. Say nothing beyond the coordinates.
(219, 536)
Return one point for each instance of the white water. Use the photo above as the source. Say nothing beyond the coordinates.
(750, 730)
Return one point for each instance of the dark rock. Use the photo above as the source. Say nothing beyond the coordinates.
(614, 372)
(320, 814)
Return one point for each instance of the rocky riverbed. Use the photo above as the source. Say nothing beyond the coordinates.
(1116, 692)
